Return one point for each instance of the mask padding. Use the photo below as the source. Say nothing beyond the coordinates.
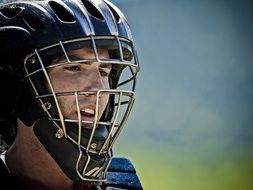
(11, 12)
(93, 11)
(61, 12)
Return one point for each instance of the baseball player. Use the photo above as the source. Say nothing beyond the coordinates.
(68, 72)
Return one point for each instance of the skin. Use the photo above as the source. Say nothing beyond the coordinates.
(27, 157)
(91, 76)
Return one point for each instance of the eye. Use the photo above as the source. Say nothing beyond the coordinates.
(73, 68)
(104, 73)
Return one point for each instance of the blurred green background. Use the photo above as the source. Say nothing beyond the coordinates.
(192, 124)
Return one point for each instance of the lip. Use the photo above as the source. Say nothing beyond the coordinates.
(85, 117)
(88, 116)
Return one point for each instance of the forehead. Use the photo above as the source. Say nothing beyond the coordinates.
(88, 52)
(81, 55)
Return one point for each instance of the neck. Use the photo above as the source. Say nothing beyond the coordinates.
(28, 159)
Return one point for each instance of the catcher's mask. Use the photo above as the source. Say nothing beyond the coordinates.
(50, 33)
(92, 138)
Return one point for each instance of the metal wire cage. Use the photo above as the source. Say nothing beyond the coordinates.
(124, 64)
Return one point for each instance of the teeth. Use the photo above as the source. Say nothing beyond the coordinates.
(88, 110)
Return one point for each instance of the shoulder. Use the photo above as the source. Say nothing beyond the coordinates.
(122, 174)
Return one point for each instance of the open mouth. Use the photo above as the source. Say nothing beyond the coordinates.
(88, 114)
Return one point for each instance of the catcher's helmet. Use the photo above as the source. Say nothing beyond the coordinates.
(32, 33)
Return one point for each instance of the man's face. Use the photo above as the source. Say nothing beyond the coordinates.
(90, 76)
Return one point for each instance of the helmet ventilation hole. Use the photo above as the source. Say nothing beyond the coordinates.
(115, 14)
(61, 12)
(93, 11)
(11, 12)
(33, 23)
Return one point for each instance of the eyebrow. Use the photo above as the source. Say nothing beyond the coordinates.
(105, 65)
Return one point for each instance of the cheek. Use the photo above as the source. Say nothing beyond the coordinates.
(66, 101)
(62, 84)
(60, 87)
(105, 97)
(54, 80)
(106, 83)
(104, 100)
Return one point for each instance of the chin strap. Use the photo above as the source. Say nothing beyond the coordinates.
(121, 173)
(66, 153)
(121, 176)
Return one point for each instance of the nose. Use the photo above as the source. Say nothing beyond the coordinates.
(92, 80)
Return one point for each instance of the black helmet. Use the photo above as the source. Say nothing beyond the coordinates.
(32, 33)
